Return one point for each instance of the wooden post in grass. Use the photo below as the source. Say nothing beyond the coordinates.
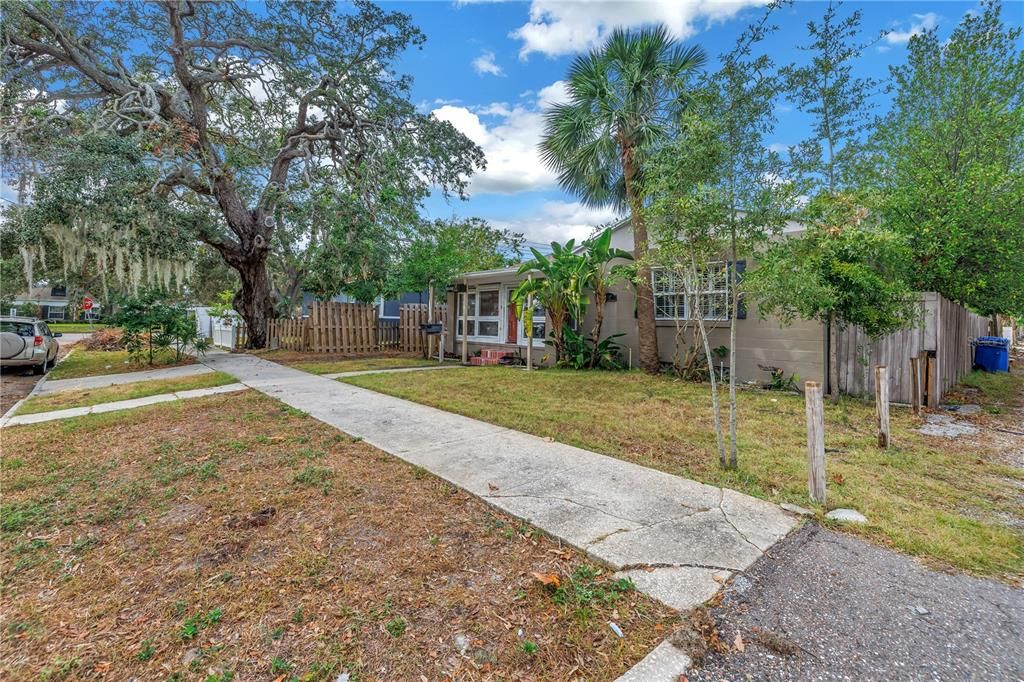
(882, 404)
(528, 328)
(815, 441)
(465, 321)
(430, 320)
(915, 385)
(932, 363)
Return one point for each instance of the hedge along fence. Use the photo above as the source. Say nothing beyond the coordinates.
(351, 328)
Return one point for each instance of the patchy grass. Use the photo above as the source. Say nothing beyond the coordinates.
(63, 400)
(321, 363)
(88, 363)
(192, 541)
(75, 327)
(953, 502)
(1001, 387)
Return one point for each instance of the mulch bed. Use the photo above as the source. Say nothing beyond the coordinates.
(232, 535)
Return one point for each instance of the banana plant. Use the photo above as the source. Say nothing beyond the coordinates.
(558, 285)
(601, 273)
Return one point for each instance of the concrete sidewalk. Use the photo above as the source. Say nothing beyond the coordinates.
(671, 535)
(105, 380)
(37, 417)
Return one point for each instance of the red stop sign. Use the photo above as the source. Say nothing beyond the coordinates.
(86, 303)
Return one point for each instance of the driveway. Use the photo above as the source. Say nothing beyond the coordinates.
(18, 382)
(826, 606)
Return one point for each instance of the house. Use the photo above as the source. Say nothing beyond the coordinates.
(941, 338)
(52, 303)
(799, 348)
(387, 308)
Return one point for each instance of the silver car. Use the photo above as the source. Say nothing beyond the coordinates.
(27, 342)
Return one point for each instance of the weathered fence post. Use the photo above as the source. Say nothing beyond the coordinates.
(882, 404)
(915, 385)
(465, 321)
(934, 391)
(430, 320)
(528, 328)
(815, 442)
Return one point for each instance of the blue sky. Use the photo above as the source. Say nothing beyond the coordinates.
(490, 67)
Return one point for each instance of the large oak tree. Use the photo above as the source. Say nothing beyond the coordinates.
(236, 106)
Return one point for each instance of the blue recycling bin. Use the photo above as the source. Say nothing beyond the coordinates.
(992, 353)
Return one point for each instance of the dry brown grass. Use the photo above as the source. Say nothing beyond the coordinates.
(232, 534)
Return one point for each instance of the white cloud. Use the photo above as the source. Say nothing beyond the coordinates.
(485, 64)
(557, 27)
(921, 23)
(559, 221)
(556, 93)
(509, 137)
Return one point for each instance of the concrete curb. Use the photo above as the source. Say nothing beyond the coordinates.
(71, 412)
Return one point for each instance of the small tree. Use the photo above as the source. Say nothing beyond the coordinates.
(839, 104)
(844, 270)
(948, 171)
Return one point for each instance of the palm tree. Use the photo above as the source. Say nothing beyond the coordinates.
(623, 99)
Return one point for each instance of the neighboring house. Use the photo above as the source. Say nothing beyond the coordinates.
(387, 309)
(798, 348)
(52, 303)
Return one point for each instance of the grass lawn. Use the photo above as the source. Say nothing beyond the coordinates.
(953, 502)
(994, 387)
(87, 363)
(232, 535)
(321, 363)
(75, 327)
(63, 400)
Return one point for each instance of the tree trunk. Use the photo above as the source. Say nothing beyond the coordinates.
(253, 301)
(719, 438)
(833, 358)
(595, 334)
(646, 327)
(734, 314)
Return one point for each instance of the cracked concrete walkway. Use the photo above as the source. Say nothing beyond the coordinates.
(671, 535)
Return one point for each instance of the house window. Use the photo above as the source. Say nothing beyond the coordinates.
(677, 298)
(54, 313)
(59, 291)
(517, 328)
(483, 320)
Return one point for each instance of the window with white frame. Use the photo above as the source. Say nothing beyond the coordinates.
(681, 298)
(54, 313)
(538, 319)
(483, 320)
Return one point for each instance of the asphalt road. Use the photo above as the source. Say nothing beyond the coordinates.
(825, 606)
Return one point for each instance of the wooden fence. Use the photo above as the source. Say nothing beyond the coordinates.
(410, 317)
(941, 337)
(352, 328)
(288, 333)
(343, 327)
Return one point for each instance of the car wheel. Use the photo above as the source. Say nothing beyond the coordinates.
(41, 367)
